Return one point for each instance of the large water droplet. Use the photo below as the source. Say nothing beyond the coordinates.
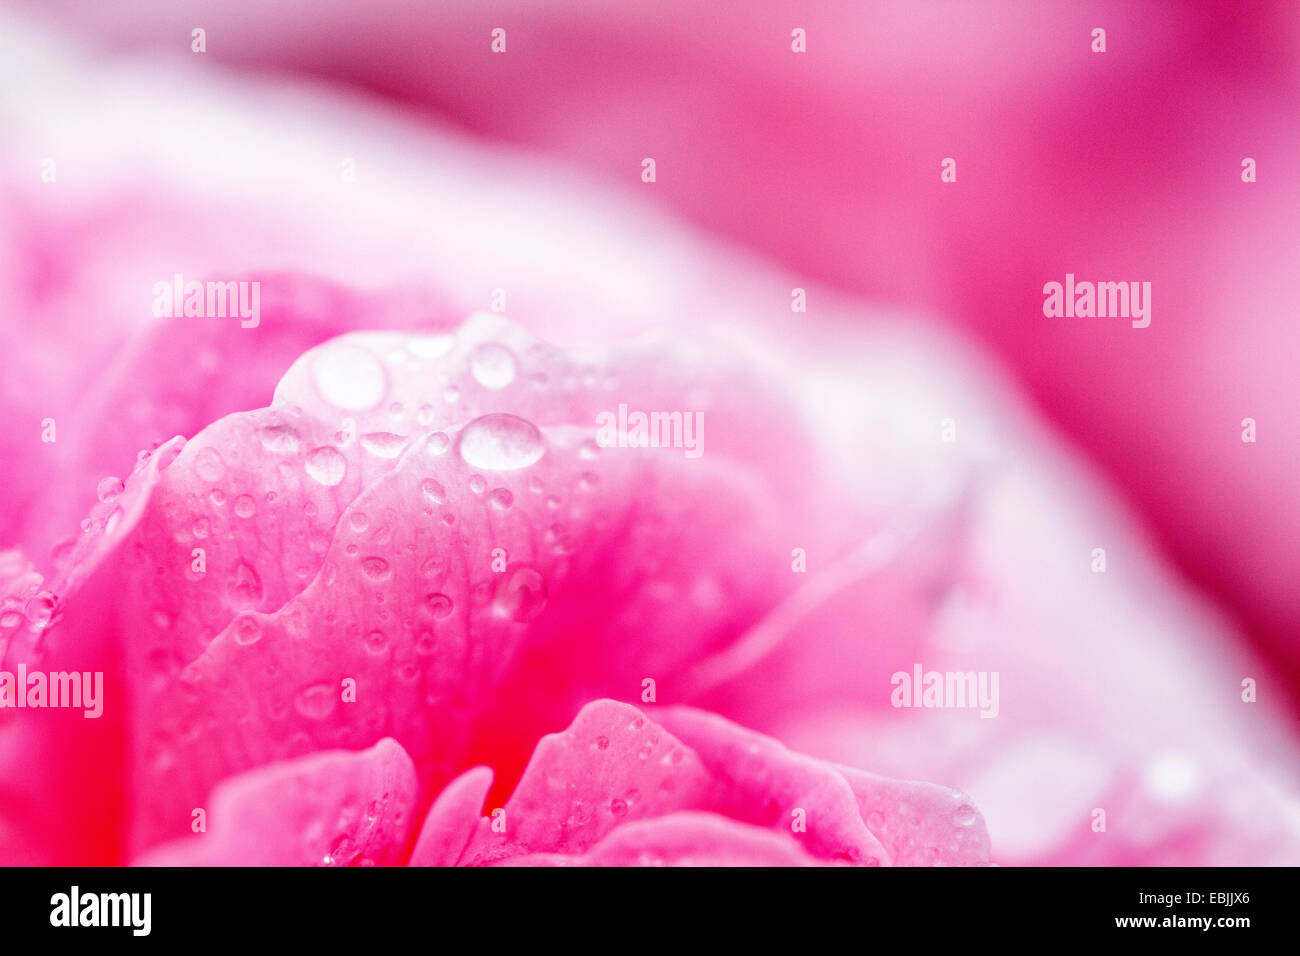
(376, 569)
(209, 466)
(431, 346)
(438, 443)
(439, 605)
(245, 586)
(315, 702)
(349, 377)
(492, 365)
(326, 465)
(109, 489)
(501, 442)
(383, 444)
(280, 439)
(247, 631)
(40, 609)
(433, 490)
(521, 596)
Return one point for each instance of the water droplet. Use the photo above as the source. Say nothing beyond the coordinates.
(280, 439)
(109, 489)
(358, 521)
(438, 443)
(602, 742)
(433, 490)
(501, 442)
(376, 569)
(431, 346)
(247, 631)
(439, 605)
(492, 365)
(376, 642)
(588, 450)
(383, 444)
(315, 702)
(244, 506)
(349, 377)
(965, 815)
(477, 484)
(245, 586)
(501, 498)
(209, 466)
(617, 807)
(451, 394)
(522, 594)
(326, 465)
(424, 417)
(40, 609)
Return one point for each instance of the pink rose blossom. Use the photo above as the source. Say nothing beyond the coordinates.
(349, 574)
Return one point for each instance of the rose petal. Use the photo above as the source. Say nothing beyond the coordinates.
(333, 808)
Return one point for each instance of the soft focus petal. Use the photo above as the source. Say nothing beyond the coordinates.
(333, 808)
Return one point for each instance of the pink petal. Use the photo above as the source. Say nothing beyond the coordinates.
(333, 808)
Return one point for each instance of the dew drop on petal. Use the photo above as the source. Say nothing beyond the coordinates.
(326, 465)
(209, 466)
(40, 609)
(383, 444)
(376, 569)
(492, 365)
(349, 377)
(245, 586)
(439, 605)
(280, 439)
(433, 491)
(109, 489)
(315, 702)
(247, 631)
(501, 442)
(521, 596)
(431, 346)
